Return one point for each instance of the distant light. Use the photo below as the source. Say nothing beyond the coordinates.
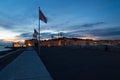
(29, 44)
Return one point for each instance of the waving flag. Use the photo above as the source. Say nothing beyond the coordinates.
(35, 32)
(42, 17)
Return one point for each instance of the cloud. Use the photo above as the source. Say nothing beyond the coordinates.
(55, 35)
(6, 25)
(87, 25)
(78, 27)
(92, 24)
(46, 35)
(27, 35)
(4, 43)
(66, 27)
(102, 33)
(70, 31)
(1, 42)
(73, 34)
(106, 32)
(18, 19)
(78, 31)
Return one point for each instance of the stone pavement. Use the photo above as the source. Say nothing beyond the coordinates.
(26, 66)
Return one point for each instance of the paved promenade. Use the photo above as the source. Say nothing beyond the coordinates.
(27, 66)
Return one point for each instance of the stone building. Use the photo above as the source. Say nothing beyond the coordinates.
(32, 42)
(16, 44)
(63, 41)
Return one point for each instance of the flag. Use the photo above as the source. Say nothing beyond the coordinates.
(35, 32)
(42, 17)
(34, 35)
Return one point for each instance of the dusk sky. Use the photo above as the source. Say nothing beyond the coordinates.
(96, 19)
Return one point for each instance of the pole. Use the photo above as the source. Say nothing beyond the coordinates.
(39, 32)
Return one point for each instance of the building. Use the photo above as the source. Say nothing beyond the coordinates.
(63, 41)
(16, 44)
(32, 42)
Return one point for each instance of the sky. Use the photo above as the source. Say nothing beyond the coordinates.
(95, 19)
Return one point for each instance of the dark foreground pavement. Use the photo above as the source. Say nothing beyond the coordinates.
(65, 63)
(9, 56)
(27, 66)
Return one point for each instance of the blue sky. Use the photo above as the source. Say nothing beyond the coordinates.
(97, 19)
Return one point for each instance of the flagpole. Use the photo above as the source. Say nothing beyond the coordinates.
(39, 32)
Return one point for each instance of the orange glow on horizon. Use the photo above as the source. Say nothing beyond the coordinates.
(93, 38)
(13, 40)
